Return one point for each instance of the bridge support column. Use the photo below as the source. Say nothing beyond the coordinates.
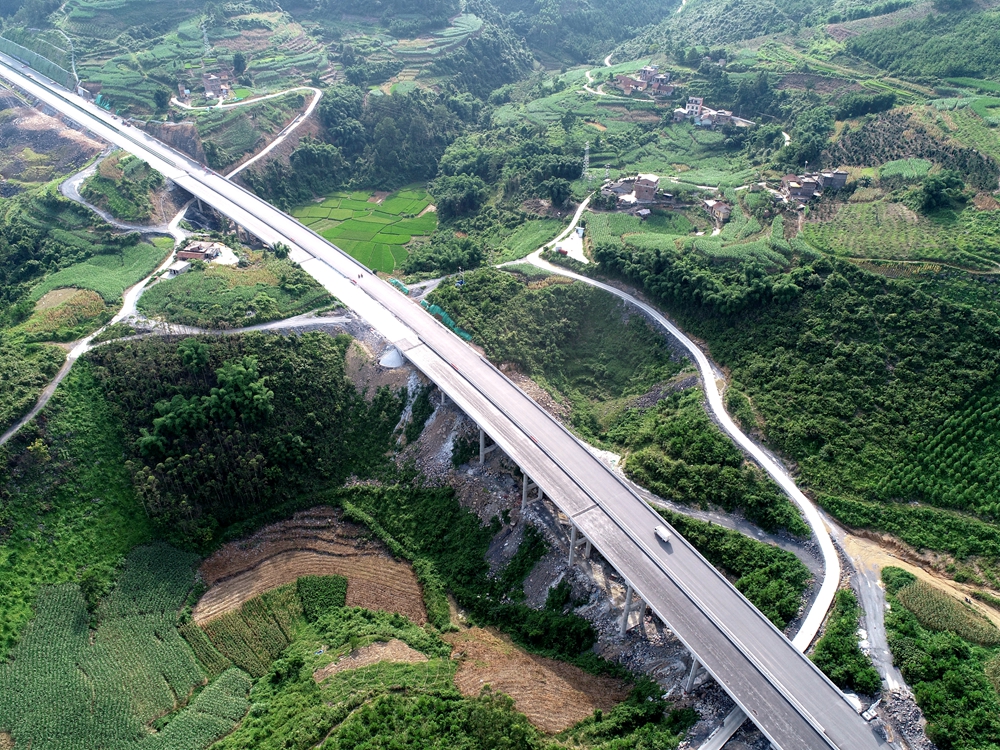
(526, 487)
(483, 448)
(575, 541)
(201, 208)
(623, 628)
(696, 669)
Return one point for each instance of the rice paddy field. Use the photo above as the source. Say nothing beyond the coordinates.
(375, 233)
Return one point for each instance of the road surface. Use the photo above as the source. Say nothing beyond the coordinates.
(792, 702)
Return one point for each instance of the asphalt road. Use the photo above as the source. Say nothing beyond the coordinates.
(791, 701)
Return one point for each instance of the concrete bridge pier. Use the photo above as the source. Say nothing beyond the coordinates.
(576, 541)
(527, 487)
(623, 627)
(696, 669)
(483, 447)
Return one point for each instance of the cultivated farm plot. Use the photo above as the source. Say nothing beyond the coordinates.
(63, 690)
(891, 231)
(108, 275)
(374, 233)
(440, 42)
(316, 542)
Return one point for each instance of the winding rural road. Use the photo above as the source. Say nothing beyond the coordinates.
(714, 385)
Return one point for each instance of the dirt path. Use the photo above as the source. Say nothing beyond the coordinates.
(394, 651)
(873, 555)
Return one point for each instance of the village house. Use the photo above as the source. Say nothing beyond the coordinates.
(718, 210)
(805, 187)
(705, 117)
(647, 79)
(177, 268)
(631, 193)
(216, 86)
(628, 84)
(201, 250)
(646, 186)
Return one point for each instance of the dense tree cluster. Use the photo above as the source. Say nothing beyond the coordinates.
(895, 135)
(223, 428)
(935, 46)
(843, 371)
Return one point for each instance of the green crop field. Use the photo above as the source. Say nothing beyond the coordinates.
(64, 684)
(882, 229)
(374, 233)
(109, 275)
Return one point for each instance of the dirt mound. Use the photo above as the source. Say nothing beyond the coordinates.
(395, 651)
(314, 542)
(552, 694)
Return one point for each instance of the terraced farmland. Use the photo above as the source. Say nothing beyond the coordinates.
(440, 42)
(376, 234)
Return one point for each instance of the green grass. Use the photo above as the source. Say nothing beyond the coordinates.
(527, 238)
(907, 169)
(216, 296)
(27, 368)
(108, 275)
(68, 501)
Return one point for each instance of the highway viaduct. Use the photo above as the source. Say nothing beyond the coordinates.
(780, 690)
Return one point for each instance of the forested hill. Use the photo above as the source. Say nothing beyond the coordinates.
(582, 30)
(399, 16)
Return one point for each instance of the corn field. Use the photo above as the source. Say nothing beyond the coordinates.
(66, 688)
(937, 611)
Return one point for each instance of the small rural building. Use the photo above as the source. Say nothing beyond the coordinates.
(800, 187)
(177, 268)
(628, 84)
(834, 180)
(694, 106)
(201, 250)
(216, 86)
(647, 73)
(646, 186)
(718, 210)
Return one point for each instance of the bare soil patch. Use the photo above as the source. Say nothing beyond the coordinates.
(362, 368)
(378, 196)
(986, 202)
(55, 298)
(552, 694)
(313, 542)
(394, 651)
(876, 556)
(559, 410)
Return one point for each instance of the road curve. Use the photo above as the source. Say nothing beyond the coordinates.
(791, 701)
(831, 561)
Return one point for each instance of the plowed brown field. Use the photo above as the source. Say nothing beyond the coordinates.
(552, 694)
(314, 542)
